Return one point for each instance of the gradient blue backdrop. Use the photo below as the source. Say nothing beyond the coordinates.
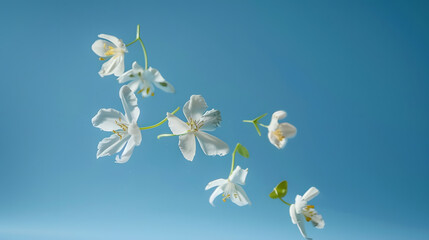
(352, 75)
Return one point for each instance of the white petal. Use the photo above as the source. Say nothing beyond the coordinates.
(135, 132)
(110, 66)
(318, 221)
(300, 203)
(127, 76)
(241, 199)
(134, 85)
(212, 145)
(287, 129)
(216, 183)
(128, 151)
(279, 144)
(218, 191)
(298, 219)
(129, 102)
(106, 119)
(279, 114)
(113, 39)
(137, 68)
(100, 46)
(111, 145)
(194, 108)
(211, 120)
(292, 213)
(187, 146)
(310, 194)
(238, 176)
(120, 68)
(153, 75)
(176, 125)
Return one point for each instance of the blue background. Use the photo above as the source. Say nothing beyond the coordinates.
(352, 75)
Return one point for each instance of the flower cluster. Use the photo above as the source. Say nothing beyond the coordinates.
(126, 133)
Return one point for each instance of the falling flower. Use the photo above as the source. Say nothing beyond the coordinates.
(114, 49)
(300, 211)
(198, 122)
(144, 80)
(230, 188)
(278, 133)
(124, 128)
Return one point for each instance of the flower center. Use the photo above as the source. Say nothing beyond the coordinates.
(195, 125)
(309, 212)
(123, 126)
(279, 135)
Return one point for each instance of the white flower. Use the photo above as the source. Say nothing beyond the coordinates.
(231, 188)
(144, 80)
(300, 211)
(278, 133)
(114, 49)
(124, 128)
(198, 122)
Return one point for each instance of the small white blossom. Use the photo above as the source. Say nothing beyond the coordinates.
(301, 212)
(199, 121)
(114, 49)
(124, 127)
(278, 133)
(230, 188)
(145, 80)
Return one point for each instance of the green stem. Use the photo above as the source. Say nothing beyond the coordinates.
(138, 38)
(160, 123)
(263, 125)
(233, 159)
(170, 135)
(284, 202)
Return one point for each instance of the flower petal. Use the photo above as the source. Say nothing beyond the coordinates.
(110, 66)
(119, 70)
(194, 108)
(129, 102)
(105, 119)
(218, 191)
(318, 221)
(147, 89)
(176, 125)
(238, 176)
(241, 199)
(287, 129)
(135, 132)
(113, 39)
(279, 144)
(134, 85)
(212, 145)
(279, 114)
(111, 145)
(127, 76)
(99, 47)
(310, 194)
(128, 151)
(152, 75)
(211, 120)
(298, 219)
(216, 183)
(187, 146)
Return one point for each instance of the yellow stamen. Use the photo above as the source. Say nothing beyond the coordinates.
(226, 197)
(140, 91)
(279, 135)
(307, 219)
(148, 90)
(120, 136)
(101, 59)
(153, 94)
(110, 50)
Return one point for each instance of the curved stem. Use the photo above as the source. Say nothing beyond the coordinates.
(233, 159)
(138, 38)
(263, 125)
(160, 123)
(284, 202)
